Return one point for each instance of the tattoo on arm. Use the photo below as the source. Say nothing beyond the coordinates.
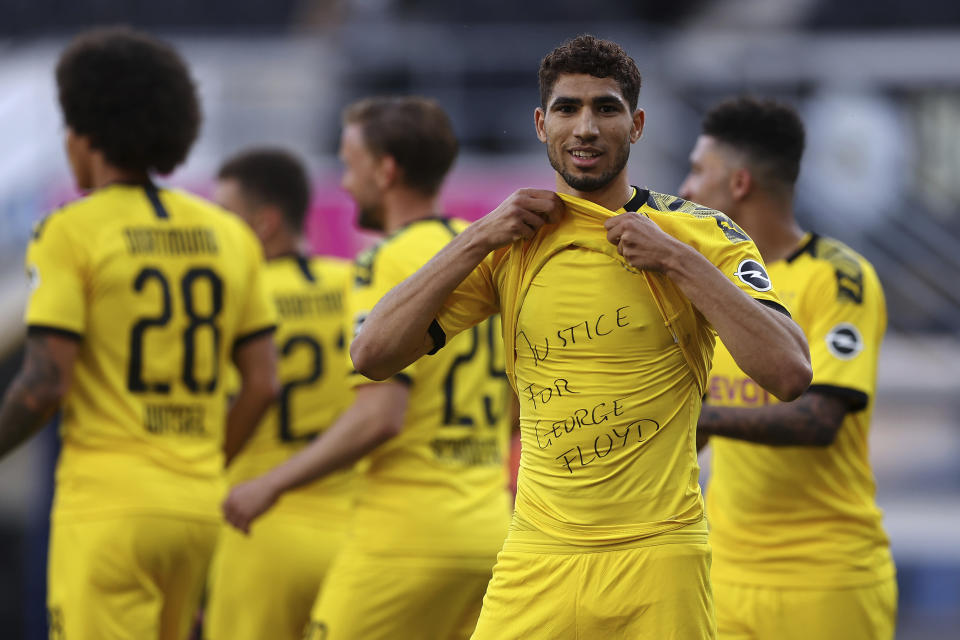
(814, 419)
(34, 395)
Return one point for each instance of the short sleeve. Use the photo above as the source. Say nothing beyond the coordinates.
(472, 302)
(844, 333)
(376, 272)
(57, 272)
(259, 314)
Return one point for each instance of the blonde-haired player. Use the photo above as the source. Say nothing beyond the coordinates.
(263, 585)
(431, 505)
(141, 298)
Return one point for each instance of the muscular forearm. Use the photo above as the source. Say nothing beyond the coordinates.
(812, 420)
(353, 436)
(395, 333)
(36, 392)
(26, 408)
(767, 345)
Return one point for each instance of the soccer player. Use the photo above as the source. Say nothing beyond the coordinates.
(799, 549)
(264, 585)
(608, 310)
(140, 298)
(431, 508)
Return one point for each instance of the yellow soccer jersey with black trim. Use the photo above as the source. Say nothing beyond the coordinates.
(609, 366)
(806, 516)
(310, 297)
(158, 286)
(439, 487)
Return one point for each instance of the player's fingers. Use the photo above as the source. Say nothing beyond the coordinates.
(531, 220)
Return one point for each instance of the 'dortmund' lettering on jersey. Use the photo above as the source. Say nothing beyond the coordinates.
(753, 274)
(844, 341)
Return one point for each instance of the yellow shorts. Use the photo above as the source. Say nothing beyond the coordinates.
(759, 613)
(136, 577)
(659, 592)
(375, 597)
(263, 586)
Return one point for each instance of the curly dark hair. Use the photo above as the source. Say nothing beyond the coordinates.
(415, 131)
(770, 133)
(132, 95)
(272, 176)
(590, 55)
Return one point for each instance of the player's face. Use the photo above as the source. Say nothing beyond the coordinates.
(78, 155)
(229, 194)
(588, 129)
(709, 180)
(360, 178)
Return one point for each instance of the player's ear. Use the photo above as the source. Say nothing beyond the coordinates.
(268, 221)
(538, 116)
(741, 182)
(387, 171)
(639, 117)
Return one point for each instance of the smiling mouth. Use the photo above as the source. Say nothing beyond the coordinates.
(584, 155)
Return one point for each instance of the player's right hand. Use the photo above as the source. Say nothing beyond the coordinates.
(517, 218)
(247, 502)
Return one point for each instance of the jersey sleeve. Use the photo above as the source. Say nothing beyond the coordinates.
(473, 301)
(844, 332)
(736, 256)
(57, 271)
(258, 315)
(376, 271)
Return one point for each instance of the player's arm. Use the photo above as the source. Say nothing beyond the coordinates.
(812, 420)
(39, 387)
(256, 361)
(375, 417)
(396, 333)
(766, 344)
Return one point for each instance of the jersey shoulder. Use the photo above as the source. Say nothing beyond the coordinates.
(669, 205)
(838, 265)
(407, 248)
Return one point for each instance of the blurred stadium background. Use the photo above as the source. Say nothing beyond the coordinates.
(878, 84)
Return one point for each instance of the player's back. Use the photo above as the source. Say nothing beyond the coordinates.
(439, 487)
(160, 287)
(806, 516)
(309, 295)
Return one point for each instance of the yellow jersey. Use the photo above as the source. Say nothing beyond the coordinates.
(439, 487)
(806, 516)
(309, 295)
(159, 287)
(609, 364)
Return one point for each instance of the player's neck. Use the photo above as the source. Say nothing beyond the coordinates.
(403, 206)
(773, 229)
(103, 174)
(612, 196)
(281, 244)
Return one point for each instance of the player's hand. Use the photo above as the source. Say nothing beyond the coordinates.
(518, 217)
(247, 502)
(641, 242)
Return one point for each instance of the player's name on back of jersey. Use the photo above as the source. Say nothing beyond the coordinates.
(468, 450)
(175, 419)
(182, 241)
(297, 305)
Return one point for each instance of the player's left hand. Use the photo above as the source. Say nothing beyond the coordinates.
(247, 502)
(641, 242)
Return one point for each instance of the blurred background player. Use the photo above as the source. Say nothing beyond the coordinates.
(431, 509)
(610, 358)
(140, 298)
(263, 585)
(799, 549)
